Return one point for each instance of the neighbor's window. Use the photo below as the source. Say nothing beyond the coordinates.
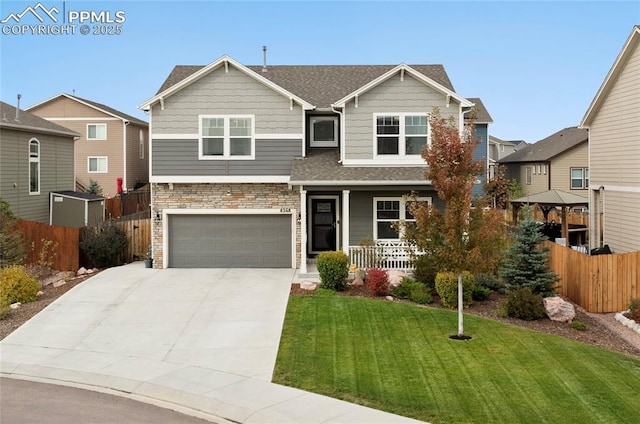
(96, 131)
(227, 137)
(141, 143)
(579, 178)
(34, 166)
(528, 175)
(388, 212)
(98, 164)
(401, 134)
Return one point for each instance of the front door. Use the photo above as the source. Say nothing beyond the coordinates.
(324, 222)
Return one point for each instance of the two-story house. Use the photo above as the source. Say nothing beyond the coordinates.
(613, 121)
(481, 120)
(557, 162)
(36, 158)
(256, 166)
(112, 146)
(499, 149)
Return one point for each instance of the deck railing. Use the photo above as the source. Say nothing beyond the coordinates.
(390, 255)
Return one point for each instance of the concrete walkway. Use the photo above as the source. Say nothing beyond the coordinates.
(203, 342)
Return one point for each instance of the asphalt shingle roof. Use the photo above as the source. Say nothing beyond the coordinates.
(111, 110)
(30, 122)
(549, 147)
(321, 165)
(482, 114)
(320, 85)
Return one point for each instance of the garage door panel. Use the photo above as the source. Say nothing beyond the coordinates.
(230, 241)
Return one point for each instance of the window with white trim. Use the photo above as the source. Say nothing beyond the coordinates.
(141, 143)
(96, 131)
(323, 131)
(227, 137)
(401, 134)
(388, 212)
(98, 165)
(34, 166)
(579, 178)
(528, 175)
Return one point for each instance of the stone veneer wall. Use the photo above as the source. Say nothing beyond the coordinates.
(214, 196)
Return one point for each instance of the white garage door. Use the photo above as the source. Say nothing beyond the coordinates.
(229, 241)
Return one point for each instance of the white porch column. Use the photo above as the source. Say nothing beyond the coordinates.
(303, 231)
(345, 221)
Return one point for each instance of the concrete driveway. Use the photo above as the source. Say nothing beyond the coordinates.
(202, 341)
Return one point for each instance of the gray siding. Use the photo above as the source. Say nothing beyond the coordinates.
(56, 172)
(481, 153)
(68, 212)
(361, 211)
(227, 93)
(180, 157)
(391, 96)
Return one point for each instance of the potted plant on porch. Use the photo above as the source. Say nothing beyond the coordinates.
(148, 259)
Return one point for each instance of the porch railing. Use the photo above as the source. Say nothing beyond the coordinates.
(391, 255)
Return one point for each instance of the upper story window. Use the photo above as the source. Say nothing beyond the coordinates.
(528, 175)
(99, 164)
(34, 166)
(388, 212)
(579, 178)
(403, 134)
(227, 137)
(96, 131)
(141, 143)
(323, 131)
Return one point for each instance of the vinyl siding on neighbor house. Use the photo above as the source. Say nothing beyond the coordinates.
(392, 96)
(481, 153)
(56, 172)
(576, 157)
(539, 182)
(180, 158)
(220, 93)
(137, 168)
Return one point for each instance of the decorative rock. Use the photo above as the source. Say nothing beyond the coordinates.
(15, 305)
(59, 283)
(389, 298)
(357, 281)
(82, 271)
(558, 309)
(395, 277)
(40, 294)
(91, 271)
(308, 285)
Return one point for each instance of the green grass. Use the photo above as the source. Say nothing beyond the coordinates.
(399, 358)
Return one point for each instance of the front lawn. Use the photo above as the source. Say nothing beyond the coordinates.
(398, 358)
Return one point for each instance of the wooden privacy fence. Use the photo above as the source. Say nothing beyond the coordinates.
(602, 283)
(64, 250)
(138, 233)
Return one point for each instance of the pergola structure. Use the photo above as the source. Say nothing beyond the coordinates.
(548, 200)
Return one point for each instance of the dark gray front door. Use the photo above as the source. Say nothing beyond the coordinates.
(323, 225)
(230, 241)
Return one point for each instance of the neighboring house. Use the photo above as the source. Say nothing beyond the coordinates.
(558, 162)
(482, 121)
(268, 166)
(112, 144)
(36, 157)
(613, 121)
(499, 149)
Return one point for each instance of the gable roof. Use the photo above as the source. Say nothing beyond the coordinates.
(629, 47)
(482, 114)
(95, 105)
(496, 140)
(549, 147)
(319, 85)
(30, 122)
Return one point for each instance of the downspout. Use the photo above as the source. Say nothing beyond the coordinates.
(124, 151)
(341, 144)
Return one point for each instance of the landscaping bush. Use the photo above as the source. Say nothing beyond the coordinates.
(425, 270)
(490, 282)
(577, 325)
(447, 288)
(420, 294)
(13, 248)
(17, 285)
(480, 293)
(334, 270)
(378, 281)
(523, 304)
(403, 290)
(634, 310)
(103, 245)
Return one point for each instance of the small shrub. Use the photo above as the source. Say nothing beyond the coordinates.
(103, 244)
(378, 281)
(47, 254)
(420, 294)
(334, 270)
(447, 288)
(425, 270)
(577, 325)
(634, 310)
(12, 251)
(490, 282)
(523, 304)
(403, 290)
(17, 285)
(480, 293)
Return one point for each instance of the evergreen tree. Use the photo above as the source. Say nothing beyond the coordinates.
(526, 262)
(12, 249)
(94, 188)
